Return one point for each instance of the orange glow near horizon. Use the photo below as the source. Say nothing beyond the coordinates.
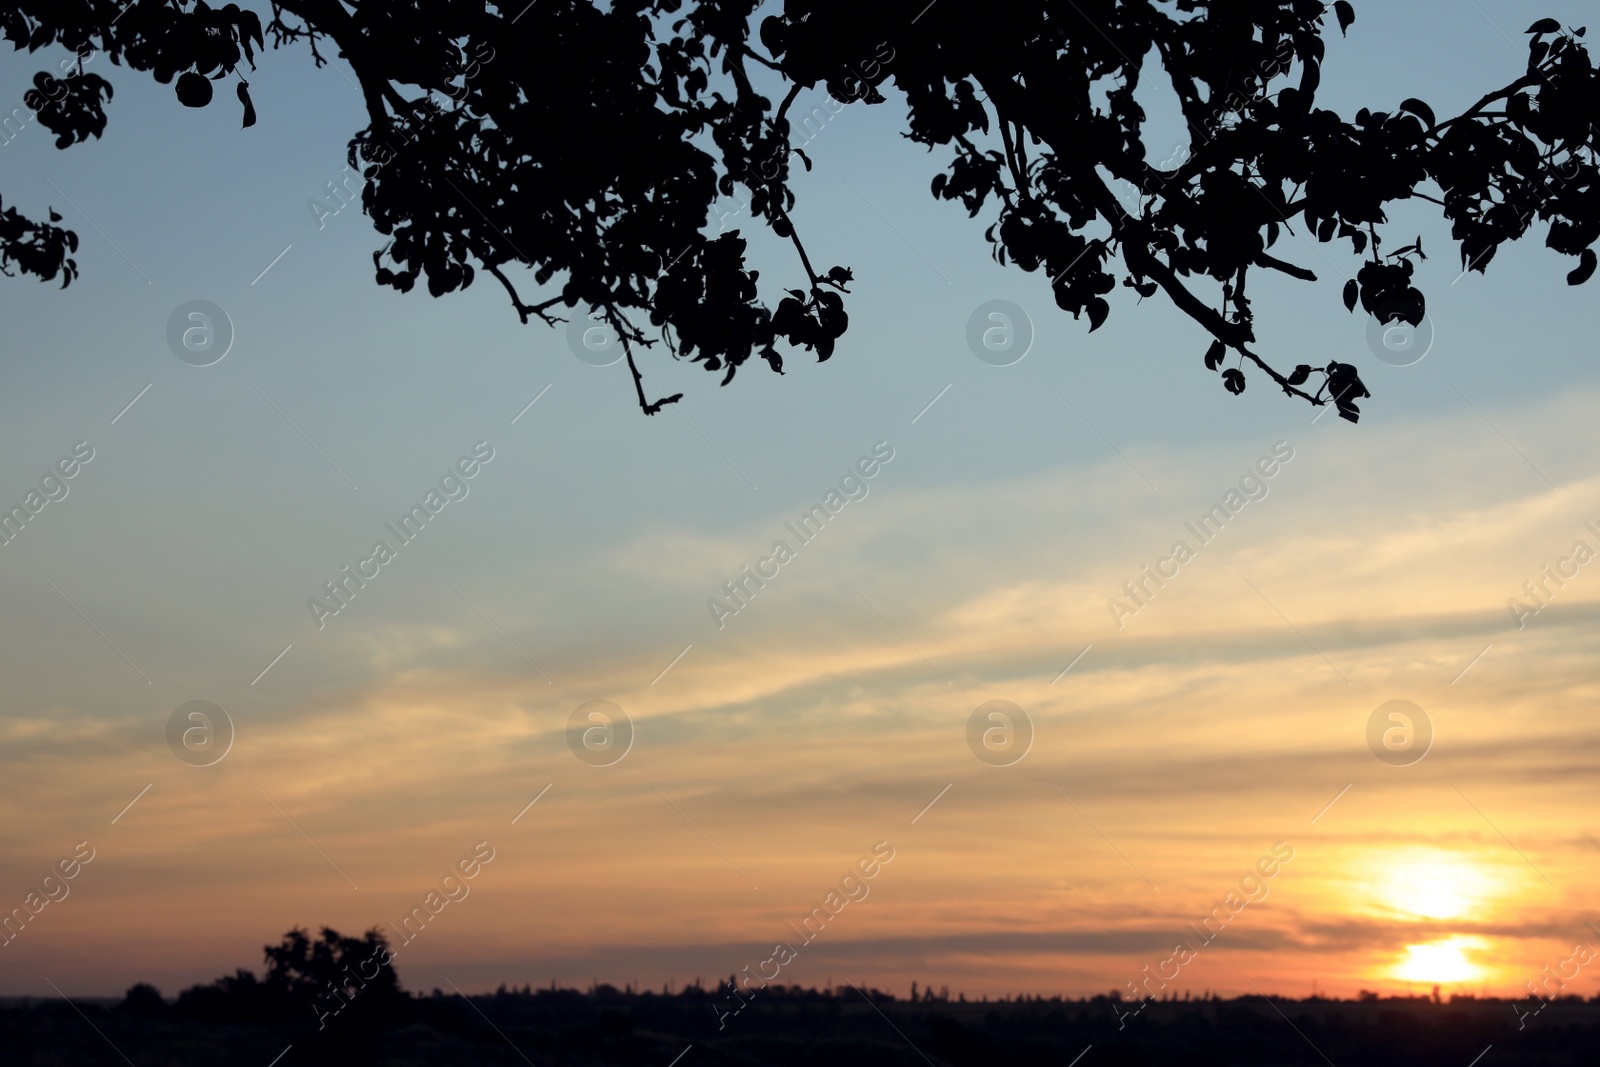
(1434, 884)
(1163, 767)
(1441, 962)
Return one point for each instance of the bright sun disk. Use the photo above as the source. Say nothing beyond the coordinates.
(1439, 961)
(1434, 887)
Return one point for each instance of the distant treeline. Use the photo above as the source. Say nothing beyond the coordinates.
(334, 1000)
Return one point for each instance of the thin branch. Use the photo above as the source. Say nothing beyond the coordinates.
(1145, 263)
(1265, 260)
(1527, 81)
(1280, 379)
(794, 235)
(525, 310)
(340, 26)
(783, 108)
(759, 58)
(1134, 236)
(1011, 151)
(624, 329)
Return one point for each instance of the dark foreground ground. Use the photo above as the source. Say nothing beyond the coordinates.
(795, 1027)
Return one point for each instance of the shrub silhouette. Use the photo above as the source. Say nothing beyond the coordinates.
(143, 1001)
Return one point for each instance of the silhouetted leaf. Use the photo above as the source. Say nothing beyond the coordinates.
(249, 108)
(1215, 355)
(1545, 26)
(1419, 109)
(1301, 373)
(1352, 293)
(1098, 311)
(1346, 387)
(1233, 381)
(1345, 14)
(773, 34)
(1585, 268)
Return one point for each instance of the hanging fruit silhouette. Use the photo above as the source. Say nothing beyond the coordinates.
(194, 90)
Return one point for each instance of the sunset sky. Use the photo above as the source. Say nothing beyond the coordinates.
(1227, 715)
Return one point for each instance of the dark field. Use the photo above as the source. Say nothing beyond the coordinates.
(791, 1026)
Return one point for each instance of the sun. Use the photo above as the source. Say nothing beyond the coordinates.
(1434, 885)
(1440, 961)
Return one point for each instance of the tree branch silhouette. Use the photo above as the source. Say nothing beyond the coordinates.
(593, 153)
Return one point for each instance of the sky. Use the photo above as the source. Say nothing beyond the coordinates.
(1169, 749)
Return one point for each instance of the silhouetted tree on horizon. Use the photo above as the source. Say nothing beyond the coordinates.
(584, 163)
(341, 992)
